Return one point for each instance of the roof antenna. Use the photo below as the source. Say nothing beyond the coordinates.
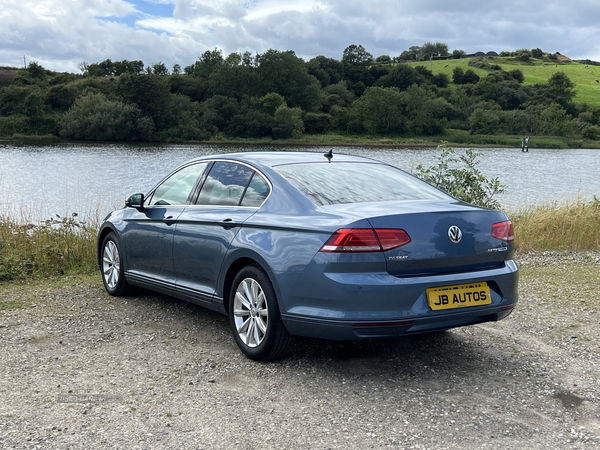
(329, 155)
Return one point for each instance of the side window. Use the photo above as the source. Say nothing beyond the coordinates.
(257, 191)
(176, 189)
(225, 184)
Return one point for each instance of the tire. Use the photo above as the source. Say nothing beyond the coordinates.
(254, 316)
(113, 274)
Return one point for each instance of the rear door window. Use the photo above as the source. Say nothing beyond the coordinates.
(232, 184)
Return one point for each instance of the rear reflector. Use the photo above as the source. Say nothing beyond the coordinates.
(503, 231)
(349, 240)
(402, 323)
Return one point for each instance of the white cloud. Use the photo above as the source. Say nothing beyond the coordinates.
(61, 33)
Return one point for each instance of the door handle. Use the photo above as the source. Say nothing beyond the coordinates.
(228, 223)
(169, 220)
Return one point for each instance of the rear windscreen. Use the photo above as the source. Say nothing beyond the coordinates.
(349, 182)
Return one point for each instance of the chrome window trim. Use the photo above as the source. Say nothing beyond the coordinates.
(209, 162)
(243, 164)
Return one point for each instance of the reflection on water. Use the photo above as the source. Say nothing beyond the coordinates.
(40, 181)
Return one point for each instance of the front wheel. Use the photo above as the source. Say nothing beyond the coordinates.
(112, 268)
(254, 316)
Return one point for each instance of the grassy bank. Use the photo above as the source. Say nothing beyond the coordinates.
(452, 138)
(67, 246)
(58, 246)
(568, 227)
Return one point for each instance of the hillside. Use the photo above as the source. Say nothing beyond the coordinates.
(535, 71)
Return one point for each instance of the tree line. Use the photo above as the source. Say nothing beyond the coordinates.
(279, 95)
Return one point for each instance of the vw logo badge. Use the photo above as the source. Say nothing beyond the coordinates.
(454, 234)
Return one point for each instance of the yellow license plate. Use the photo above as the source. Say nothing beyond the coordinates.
(459, 296)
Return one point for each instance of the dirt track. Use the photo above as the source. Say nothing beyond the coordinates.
(80, 369)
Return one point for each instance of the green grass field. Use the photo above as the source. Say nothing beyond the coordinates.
(535, 71)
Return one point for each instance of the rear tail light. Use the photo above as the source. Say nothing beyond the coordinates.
(503, 231)
(348, 240)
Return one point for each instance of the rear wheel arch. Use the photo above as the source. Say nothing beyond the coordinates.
(232, 271)
(254, 315)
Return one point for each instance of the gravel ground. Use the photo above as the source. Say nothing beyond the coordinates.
(81, 369)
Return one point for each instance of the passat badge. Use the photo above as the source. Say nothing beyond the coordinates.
(454, 234)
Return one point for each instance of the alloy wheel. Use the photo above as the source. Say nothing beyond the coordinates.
(251, 312)
(111, 264)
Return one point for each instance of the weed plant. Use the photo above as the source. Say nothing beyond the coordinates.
(57, 246)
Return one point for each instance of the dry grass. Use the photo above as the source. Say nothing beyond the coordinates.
(65, 245)
(57, 246)
(567, 227)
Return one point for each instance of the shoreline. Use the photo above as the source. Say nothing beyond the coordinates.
(334, 140)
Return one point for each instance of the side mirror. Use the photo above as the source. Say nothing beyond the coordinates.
(135, 201)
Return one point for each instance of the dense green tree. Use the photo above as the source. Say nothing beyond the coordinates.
(208, 63)
(184, 120)
(381, 110)
(194, 87)
(507, 94)
(34, 105)
(537, 53)
(412, 54)
(356, 61)
(402, 77)
(12, 99)
(287, 75)
(238, 81)
(460, 76)
(150, 93)
(434, 49)
(561, 87)
(217, 112)
(356, 55)
(337, 95)
(251, 123)
(160, 69)
(458, 54)
(427, 114)
(326, 70)
(36, 70)
(288, 123)
(556, 121)
(347, 120)
(271, 102)
(93, 117)
(457, 75)
(62, 96)
(317, 123)
(591, 132)
(484, 121)
(517, 74)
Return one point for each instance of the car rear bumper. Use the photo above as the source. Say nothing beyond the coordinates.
(364, 306)
(351, 330)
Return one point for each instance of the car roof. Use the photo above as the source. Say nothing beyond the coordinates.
(272, 158)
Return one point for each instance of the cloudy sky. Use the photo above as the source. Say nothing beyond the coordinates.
(60, 34)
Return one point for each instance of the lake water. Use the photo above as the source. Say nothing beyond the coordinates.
(37, 182)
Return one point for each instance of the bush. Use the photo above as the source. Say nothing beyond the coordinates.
(592, 132)
(458, 175)
(94, 117)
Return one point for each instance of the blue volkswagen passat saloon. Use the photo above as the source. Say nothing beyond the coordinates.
(326, 246)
